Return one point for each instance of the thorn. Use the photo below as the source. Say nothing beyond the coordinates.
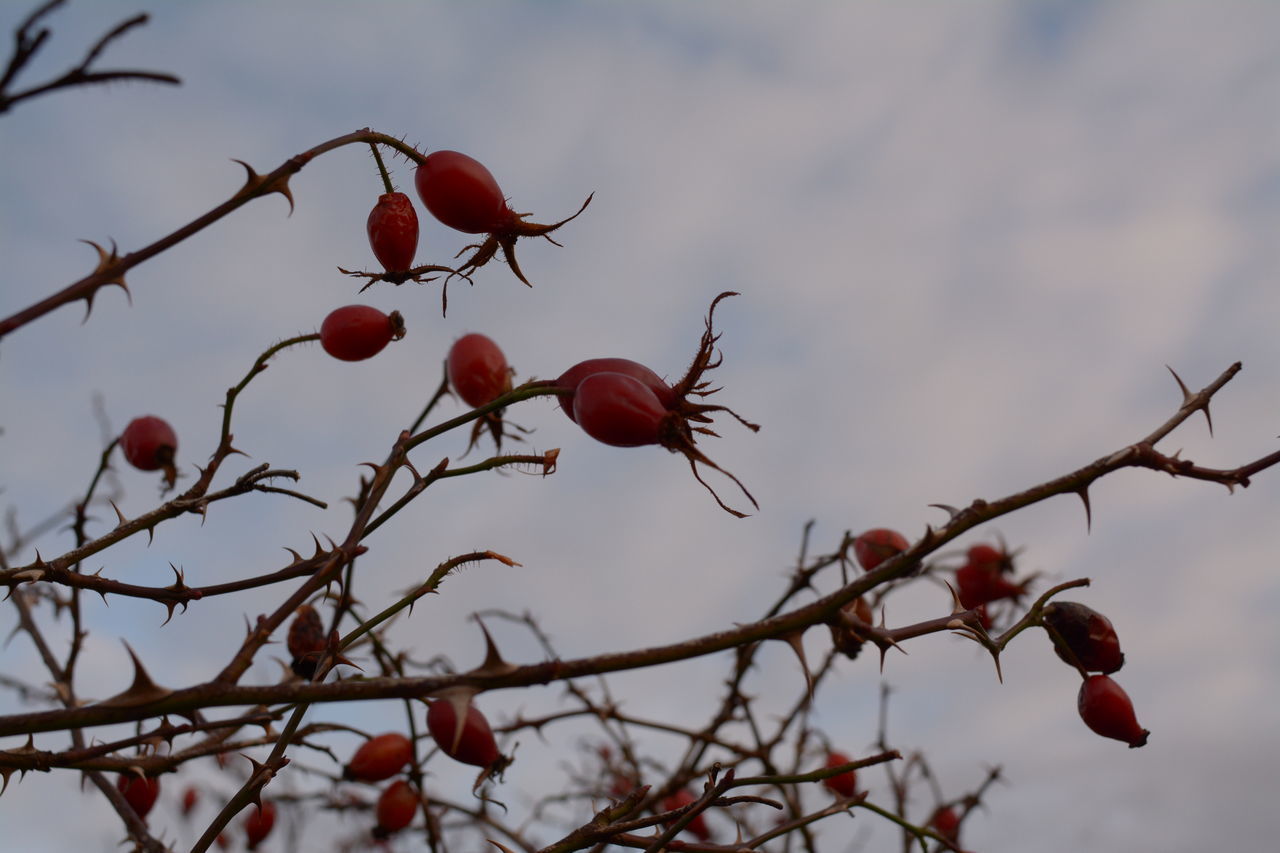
(119, 514)
(1083, 492)
(143, 689)
(493, 662)
(1187, 397)
(796, 641)
(255, 184)
(948, 509)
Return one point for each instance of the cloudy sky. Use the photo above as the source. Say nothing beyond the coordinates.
(968, 238)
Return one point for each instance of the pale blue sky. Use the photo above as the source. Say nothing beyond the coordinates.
(968, 237)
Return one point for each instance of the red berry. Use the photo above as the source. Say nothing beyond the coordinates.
(357, 332)
(982, 583)
(306, 641)
(473, 744)
(150, 444)
(477, 369)
(393, 231)
(990, 558)
(573, 377)
(258, 823)
(140, 792)
(947, 823)
(189, 799)
(844, 784)
(875, 546)
(396, 808)
(618, 410)
(679, 800)
(460, 192)
(1088, 636)
(379, 758)
(1106, 708)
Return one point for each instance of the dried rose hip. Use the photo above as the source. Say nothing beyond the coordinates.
(379, 758)
(847, 640)
(1082, 635)
(306, 641)
(1106, 708)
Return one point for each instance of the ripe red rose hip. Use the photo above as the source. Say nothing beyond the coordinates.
(477, 369)
(1106, 708)
(460, 192)
(844, 784)
(1082, 635)
(946, 822)
(396, 809)
(472, 743)
(618, 410)
(573, 377)
(259, 822)
(393, 231)
(875, 546)
(140, 792)
(680, 799)
(379, 758)
(357, 332)
(150, 444)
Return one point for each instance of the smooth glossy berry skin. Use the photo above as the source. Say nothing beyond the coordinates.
(460, 192)
(843, 784)
(618, 410)
(258, 823)
(141, 793)
(947, 823)
(680, 799)
(875, 546)
(149, 443)
(306, 641)
(1082, 635)
(474, 745)
(357, 332)
(393, 231)
(397, 807)
(1106, 708)
(573, 377)
(379, 758)
(477, 369)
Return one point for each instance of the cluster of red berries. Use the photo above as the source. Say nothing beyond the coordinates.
(1086, 640)
(388, 755)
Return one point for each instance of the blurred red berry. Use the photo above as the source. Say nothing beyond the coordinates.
(189, 799)
(258, 823)
(379, 758)
(150, 444)
(396, 808)
(875, 546)
(477, 369)
(139, 791)
(679, 800)
(844, 784)
(946, 823)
